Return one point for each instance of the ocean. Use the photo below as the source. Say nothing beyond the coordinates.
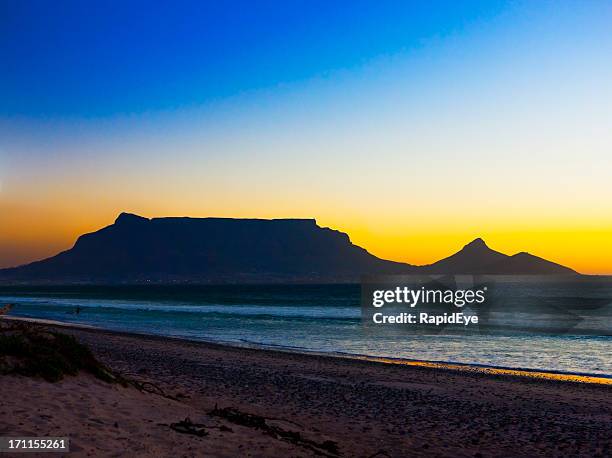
(315, 318)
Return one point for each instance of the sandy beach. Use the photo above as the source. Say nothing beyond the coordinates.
(252, 402)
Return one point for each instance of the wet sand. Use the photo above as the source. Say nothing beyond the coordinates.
(366, 407)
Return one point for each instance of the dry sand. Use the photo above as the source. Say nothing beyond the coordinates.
(365, 407)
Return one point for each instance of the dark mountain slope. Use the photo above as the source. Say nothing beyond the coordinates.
(477, 258)
(209, 249)
(137, 249)
(528, 264)
(472, 258)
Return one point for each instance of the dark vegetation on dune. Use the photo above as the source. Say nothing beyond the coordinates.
(35, 352)
(32, 350)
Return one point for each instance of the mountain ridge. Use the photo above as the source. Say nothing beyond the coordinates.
(477, 258)
(185, 249)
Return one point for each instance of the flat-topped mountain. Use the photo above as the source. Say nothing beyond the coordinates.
(137, 249)
(210, 249)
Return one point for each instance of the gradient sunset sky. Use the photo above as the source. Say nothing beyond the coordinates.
(415, 127)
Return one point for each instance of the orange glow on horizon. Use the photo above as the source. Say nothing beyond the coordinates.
(587, 251)
(37, 232)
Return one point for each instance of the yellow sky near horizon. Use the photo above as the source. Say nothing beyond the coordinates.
(503, 135)
(37, 232)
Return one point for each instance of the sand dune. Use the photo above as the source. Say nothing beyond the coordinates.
(364, 407)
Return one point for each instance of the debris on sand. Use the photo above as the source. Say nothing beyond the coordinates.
(326, 448)
(186, 426)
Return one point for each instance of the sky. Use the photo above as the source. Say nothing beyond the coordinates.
(415, 127)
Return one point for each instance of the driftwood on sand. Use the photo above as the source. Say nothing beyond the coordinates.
(326, 448)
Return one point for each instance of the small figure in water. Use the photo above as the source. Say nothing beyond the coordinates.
(77, 310)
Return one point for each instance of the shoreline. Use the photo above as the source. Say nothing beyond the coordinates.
(529, 373)
(358, 407)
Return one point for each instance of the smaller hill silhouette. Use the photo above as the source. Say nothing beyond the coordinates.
(528, 264)
(474, 257)
(477, 258)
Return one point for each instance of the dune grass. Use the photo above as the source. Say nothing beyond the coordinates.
(33, 351)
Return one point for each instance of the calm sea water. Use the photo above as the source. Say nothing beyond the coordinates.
(312, 318)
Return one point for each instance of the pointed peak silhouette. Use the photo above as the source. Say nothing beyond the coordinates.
(476, 243)
(472, 258)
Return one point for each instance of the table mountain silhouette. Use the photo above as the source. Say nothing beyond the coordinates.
(137, 249)
(210, 249)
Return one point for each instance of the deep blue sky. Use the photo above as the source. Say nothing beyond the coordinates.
(413, 126)
(75, 58)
